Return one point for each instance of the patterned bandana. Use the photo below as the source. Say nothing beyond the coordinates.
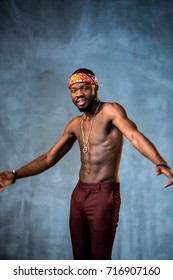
(82, 78)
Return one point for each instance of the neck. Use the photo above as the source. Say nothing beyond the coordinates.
(90, 111)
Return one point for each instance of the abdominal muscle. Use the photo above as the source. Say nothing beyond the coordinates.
(100, 165)
(101, 161)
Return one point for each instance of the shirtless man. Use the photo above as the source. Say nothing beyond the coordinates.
(95, 201)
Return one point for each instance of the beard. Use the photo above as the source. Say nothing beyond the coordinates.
(88, 107)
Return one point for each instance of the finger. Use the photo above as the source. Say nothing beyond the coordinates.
(168, 184)
(2, 188)
(2, 185)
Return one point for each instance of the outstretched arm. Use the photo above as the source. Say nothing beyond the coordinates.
(140, 142)
(42, 163)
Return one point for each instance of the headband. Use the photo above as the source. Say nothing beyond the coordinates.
(82, 78)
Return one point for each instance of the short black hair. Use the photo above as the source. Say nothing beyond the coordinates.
(84, 70)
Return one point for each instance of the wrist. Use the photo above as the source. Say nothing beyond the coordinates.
(164, 164)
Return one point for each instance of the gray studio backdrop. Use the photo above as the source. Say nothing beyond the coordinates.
(129, 45)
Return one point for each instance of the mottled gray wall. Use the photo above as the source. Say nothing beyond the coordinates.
(129, 46)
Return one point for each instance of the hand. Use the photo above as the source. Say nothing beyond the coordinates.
(167, 172)
(6, 179)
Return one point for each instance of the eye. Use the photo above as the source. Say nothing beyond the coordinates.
(85, 88)
(73, 90)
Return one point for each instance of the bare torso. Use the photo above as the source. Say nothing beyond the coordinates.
(101, 162)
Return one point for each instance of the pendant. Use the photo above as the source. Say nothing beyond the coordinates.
(85, 149)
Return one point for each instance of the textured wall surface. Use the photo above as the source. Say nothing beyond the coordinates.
(129, 45)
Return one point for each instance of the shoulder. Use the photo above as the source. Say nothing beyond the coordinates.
(73, 125)
(113, 109)
(75, 121)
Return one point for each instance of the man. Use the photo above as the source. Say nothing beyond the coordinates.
(95, 201)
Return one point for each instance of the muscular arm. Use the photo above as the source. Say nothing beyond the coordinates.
(139, 141)
(47, 160)
(43, 162)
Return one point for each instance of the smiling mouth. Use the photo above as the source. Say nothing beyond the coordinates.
(81, 101)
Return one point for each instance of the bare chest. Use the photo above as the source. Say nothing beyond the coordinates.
(98, 132)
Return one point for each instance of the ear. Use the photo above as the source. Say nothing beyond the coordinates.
(96, 88)
(96, 93)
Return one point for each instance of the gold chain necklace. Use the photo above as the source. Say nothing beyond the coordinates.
(85, 147)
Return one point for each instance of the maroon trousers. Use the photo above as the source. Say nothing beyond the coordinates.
(94, 217)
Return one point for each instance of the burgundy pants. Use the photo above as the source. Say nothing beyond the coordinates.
(93, 219)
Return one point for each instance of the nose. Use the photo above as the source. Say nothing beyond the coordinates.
(79, 92)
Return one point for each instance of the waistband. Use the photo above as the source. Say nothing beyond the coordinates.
(99, 186)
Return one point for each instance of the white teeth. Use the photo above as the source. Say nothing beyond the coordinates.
(81, 101)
